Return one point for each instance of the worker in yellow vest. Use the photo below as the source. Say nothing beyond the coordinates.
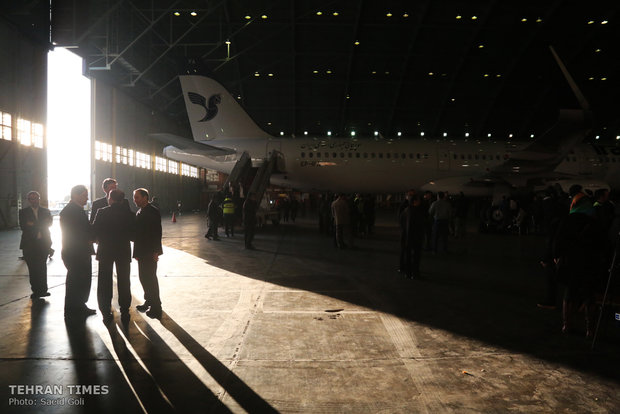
(228, 207)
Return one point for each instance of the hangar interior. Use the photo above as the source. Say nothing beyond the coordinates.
(298, 326)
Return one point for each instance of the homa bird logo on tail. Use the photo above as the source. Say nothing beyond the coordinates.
(211, 109)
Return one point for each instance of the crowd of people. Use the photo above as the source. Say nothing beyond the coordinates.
(582, 238)
(112, 226)
(582, 231)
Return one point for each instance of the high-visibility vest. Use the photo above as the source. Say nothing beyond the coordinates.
(228, 206)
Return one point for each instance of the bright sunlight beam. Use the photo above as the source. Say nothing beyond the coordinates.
(68, 124)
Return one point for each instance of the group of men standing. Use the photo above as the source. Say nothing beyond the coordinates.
(222, 208)
(112, 226)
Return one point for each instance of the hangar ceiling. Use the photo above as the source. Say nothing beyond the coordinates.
(433, 66)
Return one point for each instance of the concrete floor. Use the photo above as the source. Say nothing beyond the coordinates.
(298, 326)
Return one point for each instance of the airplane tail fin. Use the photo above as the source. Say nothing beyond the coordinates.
(214, 114)
(572, 127)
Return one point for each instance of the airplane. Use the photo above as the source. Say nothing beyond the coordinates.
(222, 131)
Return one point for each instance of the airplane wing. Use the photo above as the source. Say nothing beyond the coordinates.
(194, 147)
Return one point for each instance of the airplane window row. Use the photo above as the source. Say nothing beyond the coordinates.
(599, 159)
(387, 155)
(476, 157)
(607, 159)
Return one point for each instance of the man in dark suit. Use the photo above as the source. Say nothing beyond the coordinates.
(114, 229)
(250, 207)
(35, 222)
(77, 248)
(146, 250)
(108, 185)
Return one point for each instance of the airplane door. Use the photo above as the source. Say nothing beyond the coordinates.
(443, 157)
(586, 161)
(273, 145)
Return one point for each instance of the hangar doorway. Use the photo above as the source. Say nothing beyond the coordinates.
(68, 126)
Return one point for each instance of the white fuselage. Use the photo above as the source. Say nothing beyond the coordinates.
(380, 166)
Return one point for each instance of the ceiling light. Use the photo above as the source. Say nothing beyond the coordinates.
(194, 13)
(329, 133)
(238, 96)
(430, 73)
(399, 133)
(524, 20)
(271, 74)
(305, 132)
(328, 71)
(466, 134)
(531, 135)
(459, 17)
(597, 50)
(445, 134)
(498, 76)
(509, 135)
(319, 13)
(268, 123)
(335, 13)
(422, 133)
(591, 78)
(598, 137)
(590, 21)
(452, 99)
(405, 15)
(480, 46)
(348, 97)
(315, 71)
(256, 74)
(539, 20)
(486, 75)
(603, 78)
(357, 42)
(389, 14)
(376, 133)
(177, 13)
(387, 72)
(604, 22)
(248, 17)
(474, 17)
(489, 135)
(281, 133)
(374, 72)
(264, 16)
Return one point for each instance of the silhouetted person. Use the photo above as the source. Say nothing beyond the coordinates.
(146, 250)
(214, 214)
(440, 210)
(114, 228)
(403, 228)
(35, 222)
(577, 253)
(249, 220)
(342, 219)
(77, 249)
(414, 218)
(108, 185)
